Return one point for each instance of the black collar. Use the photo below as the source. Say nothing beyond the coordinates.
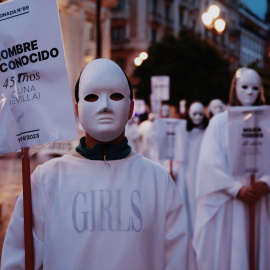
(104, 151)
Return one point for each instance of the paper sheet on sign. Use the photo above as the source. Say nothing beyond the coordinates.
(171, 139)
(35, 97)
(160, 87)
(249, 140)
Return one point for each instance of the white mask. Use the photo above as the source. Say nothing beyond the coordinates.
(216, 106)
(104, 100)
(196, 113)
(165, 111)
(248, 87)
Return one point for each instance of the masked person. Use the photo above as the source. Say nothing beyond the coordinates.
(187, 170)
(215, 106)
(143, 129)
(102, 206)
(221, 238)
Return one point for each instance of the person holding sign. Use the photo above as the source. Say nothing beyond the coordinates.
(221, 238)
(103, 206)
(186, 171)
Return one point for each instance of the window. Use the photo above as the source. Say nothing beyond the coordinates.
(167, 12)
(118, 33)
(181, 16)
(153, 35)
(89, 31)
(120, 6)
(153, 6)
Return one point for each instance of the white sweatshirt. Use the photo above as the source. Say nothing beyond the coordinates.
(88, 215)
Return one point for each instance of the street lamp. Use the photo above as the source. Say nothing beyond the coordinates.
(211, 21)
(138, 60)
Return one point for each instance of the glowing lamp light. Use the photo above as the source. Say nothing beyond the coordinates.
(143, 55)
(214, 11)
(207, 19)
(220, 25)
(138, 61)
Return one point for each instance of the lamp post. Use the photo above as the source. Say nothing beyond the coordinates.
(138, 60)
(98, 28)
(212, 21)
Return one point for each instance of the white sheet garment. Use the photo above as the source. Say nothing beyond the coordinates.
(221, 238)
(87, 215)
(186, 174)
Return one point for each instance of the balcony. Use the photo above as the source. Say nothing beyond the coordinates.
(156, 19)
(254, 30)
(169, 23)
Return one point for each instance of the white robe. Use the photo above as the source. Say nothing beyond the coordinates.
(186, 174)
(133, 136)
(143, 130)
(88, 215)
(221, 238)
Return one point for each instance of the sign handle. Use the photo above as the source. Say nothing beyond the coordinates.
(27, 207)
(171, 169)
(252, 228)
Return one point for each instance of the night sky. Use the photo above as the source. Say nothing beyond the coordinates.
(257, 6)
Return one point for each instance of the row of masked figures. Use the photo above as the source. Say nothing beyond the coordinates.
(195, 151)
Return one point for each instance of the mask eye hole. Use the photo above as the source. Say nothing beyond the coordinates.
(116, 96)
(255, 88)
(244, 86)
(91, 98)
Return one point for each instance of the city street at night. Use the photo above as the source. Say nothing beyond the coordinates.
(135, 134)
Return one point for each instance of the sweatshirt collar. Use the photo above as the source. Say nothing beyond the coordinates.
(104, 151)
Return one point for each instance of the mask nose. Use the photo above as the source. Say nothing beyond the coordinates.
(105, 102)
(249, 91)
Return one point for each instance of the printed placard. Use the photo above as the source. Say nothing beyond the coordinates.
(249, 140)
(172, 138)
(35, 97)
(160, 86)
(139, 106)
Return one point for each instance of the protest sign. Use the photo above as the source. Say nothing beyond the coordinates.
(171, 139)
(160, 86)
(139, 106)
(35, 98)
(249, 140)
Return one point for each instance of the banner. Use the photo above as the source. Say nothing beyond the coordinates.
(35, 97)
(249, 140)
(172, 136)
(160, 86)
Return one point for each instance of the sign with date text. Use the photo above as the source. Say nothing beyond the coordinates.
(249, 140)
(35, 98)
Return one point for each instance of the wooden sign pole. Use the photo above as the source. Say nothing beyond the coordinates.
(252, 228)
(171, 169)
(27, 207)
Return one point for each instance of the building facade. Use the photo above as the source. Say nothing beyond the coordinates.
(78, 23)
(253, 38)
(138, 24)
